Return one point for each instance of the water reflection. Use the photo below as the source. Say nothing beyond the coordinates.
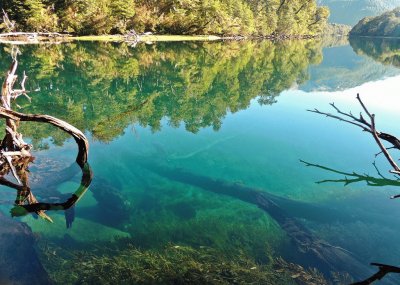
(386, 51)
(367, 122)
(102, 88)
(17, 240)
(16, 153)
(170, 197)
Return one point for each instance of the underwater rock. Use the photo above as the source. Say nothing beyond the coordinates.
(19, 264)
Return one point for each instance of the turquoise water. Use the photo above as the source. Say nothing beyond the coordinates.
(183, 136)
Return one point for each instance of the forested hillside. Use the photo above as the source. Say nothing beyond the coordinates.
(385, 25)
(220, 17)
(351, 11)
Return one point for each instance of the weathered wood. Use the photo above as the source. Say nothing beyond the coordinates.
(13, 144)
(34, 34)
(80, 138)
(13, 141)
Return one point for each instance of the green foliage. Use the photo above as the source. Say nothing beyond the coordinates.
(103, 88)
(385, 25)
(224, 17)
(33, 15)
(337, 30)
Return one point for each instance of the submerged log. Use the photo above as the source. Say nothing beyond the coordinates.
(312, 250)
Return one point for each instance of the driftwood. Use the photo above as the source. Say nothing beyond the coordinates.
(13, 140)
(10, 25)
(33, 34)
(25, 37)
(15, 154)
(370, 127)
(19, 262)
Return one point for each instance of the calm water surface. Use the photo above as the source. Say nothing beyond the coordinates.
(183, 135)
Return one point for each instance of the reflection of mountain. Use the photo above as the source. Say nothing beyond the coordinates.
(386, 51)
(351, 11)
(102, 88)
(341, 69)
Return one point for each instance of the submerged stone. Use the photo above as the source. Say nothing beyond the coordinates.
(19, 264)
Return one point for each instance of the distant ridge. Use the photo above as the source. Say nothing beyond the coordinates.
(385, 25)
(351, 11)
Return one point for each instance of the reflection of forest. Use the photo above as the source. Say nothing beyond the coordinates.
(102, 88)
(386, 51)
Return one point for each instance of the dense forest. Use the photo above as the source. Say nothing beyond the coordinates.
(385, 25)
(220, 17)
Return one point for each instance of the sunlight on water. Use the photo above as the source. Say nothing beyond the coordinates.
(174, 145)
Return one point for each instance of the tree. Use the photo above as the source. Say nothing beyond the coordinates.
(122, 12)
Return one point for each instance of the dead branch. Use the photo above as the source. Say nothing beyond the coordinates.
(33, 34)
(383, 270)
(353, 177)
(10, 25)
(13, 140)
(370, 127)
(15, 154)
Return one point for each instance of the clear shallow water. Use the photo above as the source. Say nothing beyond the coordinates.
(167, 121)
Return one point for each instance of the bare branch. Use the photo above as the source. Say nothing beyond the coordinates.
(368, 127)
(392, 147)
(383, 270)
(12, 167)
(9, 24)
(339, 118)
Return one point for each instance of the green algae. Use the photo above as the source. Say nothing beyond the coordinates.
(174, 265)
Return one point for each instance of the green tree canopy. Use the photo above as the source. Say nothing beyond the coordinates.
(224, 17)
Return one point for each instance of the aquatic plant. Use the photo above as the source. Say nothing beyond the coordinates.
(174, 264)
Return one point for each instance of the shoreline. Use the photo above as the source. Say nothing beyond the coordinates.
(22, 38)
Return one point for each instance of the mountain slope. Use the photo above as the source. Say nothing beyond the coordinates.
(351, 11)
(385, 25)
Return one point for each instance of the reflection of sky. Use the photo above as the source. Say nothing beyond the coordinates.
(323, 140)
(382, 97)
(342, 68)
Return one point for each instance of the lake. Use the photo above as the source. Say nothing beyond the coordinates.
(207, 166)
